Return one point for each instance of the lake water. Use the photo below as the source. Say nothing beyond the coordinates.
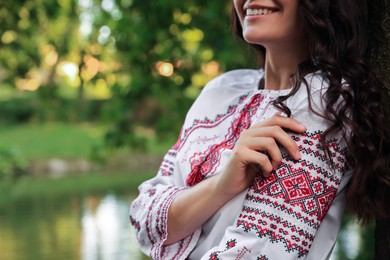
(93, 227)
(80, 227)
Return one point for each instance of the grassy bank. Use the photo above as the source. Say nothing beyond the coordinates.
(40, 142)
(64, 140)
(44, 187)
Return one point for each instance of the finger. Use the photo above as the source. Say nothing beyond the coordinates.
(284, 122)
(251, 158)
(260, 159)
(265, 165)
(268, 146)
(277, 133)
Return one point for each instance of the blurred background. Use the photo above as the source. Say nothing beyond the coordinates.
(92, 94)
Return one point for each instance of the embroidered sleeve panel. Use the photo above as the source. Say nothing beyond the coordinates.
(292, 203)
(285, 210)
(149, 217)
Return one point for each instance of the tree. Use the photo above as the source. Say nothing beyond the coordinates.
(169, 50)
(379, 27)
(49, 53)
(31, 31)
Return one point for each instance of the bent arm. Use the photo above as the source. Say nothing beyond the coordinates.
(193, 207)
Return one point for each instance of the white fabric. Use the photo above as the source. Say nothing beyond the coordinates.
(296, 213)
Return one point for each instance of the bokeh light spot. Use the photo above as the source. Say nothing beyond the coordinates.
(8, 37)
(164, 68)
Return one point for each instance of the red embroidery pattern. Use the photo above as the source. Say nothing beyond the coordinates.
(158, 221)
(135, 224)
(290, 205)
(213, 256)
(156, 217)
(206, 162)
(167, 166)
(151, 192)
(229, 245)
(207, 123)
(242, 252)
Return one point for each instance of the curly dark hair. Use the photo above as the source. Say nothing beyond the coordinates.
(338, 40)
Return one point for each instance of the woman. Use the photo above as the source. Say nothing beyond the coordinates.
(266, 159)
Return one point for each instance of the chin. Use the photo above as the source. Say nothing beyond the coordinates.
(253, 39)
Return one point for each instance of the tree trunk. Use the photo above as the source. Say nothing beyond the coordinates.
(382, 239)
(379, 42)
(379, 32)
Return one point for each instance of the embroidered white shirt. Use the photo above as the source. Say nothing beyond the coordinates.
(293, 214)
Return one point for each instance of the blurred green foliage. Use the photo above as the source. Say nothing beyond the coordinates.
(29, 109)
(194, 36)
(147, 60)
(12, 165)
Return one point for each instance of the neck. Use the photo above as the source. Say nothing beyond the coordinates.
(281, 63)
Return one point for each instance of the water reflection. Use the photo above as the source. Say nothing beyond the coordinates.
(86, 227)
(39, 229)
(96, 226)
(105, 230)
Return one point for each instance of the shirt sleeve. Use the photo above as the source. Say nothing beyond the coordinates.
(281, 215)
(149, 212)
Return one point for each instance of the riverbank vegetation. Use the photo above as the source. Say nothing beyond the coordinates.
(52, 139)
(38, 188)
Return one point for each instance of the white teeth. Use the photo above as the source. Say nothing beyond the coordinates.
(250, 12)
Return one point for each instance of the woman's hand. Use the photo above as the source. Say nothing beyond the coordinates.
(257, 151)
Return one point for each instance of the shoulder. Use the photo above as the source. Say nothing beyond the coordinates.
(240, 79)
(317, 82)
(223, 92)
(312, 90)
(228, 87)
(308, 104)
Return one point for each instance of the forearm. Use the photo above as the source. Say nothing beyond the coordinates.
(193, 207)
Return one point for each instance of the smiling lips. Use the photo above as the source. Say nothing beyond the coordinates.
(259, 10)
(250, 12)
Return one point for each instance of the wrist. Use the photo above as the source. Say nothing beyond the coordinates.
(219, 190)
